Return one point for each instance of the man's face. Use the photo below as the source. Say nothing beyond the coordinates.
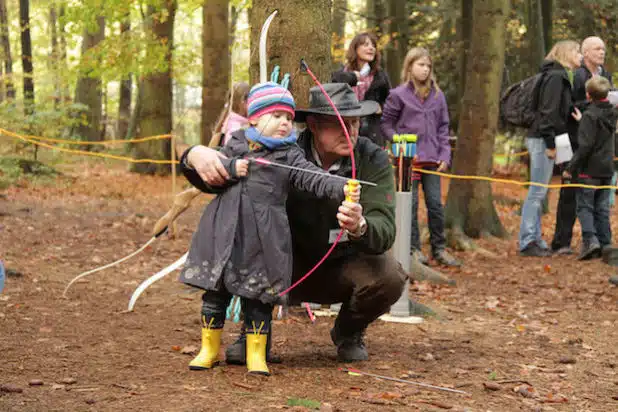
(594, 51)
(329, 135)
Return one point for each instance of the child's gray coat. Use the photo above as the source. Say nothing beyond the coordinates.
(243, 240)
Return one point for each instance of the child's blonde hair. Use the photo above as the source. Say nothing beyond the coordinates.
(236, 101)
(560, 52)
(598, 88)
(422, 88)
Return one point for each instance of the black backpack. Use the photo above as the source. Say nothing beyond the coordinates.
(519, 102)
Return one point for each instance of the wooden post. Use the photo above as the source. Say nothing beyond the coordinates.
(172, 229)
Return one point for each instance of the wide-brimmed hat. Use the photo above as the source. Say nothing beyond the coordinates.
(344, 99)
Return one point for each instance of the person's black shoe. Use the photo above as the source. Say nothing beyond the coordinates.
(563, 251)
(446, 259)
(609, 255)
(236, 353)
(590, 251)
(533, 250)
(613, 280)
(349, 348)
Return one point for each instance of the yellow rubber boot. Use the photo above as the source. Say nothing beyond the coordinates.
(207, 358)
(256, 354)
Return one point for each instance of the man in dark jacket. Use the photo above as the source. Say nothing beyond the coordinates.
(359, 273)
(593, 162)
(593, 51)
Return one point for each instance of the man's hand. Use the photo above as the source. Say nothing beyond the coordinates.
(441, 166)
(353, 193)
(242, 167)
(206, 163)
(566, 175)
(349, 216)
(551, 153)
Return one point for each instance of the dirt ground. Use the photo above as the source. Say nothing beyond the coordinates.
(516, 334)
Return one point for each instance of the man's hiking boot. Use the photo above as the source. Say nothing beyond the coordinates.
(533, 250)
(419, 256)
(349, 348)
(590, 251)
(610, 255)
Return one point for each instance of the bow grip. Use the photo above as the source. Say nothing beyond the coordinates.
(351, 185)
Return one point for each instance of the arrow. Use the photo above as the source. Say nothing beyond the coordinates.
(263, 161)
(388, 378)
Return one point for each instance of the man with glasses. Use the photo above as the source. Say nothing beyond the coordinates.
(359, 273)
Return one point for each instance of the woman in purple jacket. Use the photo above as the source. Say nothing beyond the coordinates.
(418, 106)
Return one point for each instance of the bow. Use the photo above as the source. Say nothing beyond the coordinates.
(181, 203)
(352, 182)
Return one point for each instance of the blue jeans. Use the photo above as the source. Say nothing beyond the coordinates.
(435, 212)
(593, 212)
(612, 192)
(541, 168)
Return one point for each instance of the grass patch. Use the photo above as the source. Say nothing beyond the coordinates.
(307, 403)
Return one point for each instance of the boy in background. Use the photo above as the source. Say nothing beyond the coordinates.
(593, 162)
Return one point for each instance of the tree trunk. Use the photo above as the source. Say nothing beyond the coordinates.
(234, 13)
(466, 38)
(338, 51)
(53, 61)
(470, 205)
(288, 42)
(376, 14)
(26, 55)
(535, 32)
(62, 62)
(124, 103)
(88, 89)
(397, 47)
(547, 7)
(155, 113)
(6, 51)
(215, 64)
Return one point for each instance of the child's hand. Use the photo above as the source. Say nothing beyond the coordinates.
(242, 167)
(353, 192)
(577, 115)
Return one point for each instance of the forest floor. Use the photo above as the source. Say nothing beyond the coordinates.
(516, 334)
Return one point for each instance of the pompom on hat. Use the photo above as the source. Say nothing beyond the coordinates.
(267, 98)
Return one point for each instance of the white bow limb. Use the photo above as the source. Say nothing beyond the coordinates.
(159, 275)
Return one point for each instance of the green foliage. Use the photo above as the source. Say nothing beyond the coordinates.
(44, 121)
(307, 403)
(15, 169)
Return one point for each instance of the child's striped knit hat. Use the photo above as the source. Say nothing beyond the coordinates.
(267, 98)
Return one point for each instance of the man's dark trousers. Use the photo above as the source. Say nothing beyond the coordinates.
(366, 285)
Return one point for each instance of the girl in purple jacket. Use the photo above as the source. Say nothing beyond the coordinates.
(418, 106)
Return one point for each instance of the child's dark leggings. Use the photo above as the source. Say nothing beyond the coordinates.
(214, 305)
(435, 211)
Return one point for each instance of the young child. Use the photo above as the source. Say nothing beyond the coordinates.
(233, 116)
(243, 244)
(593, 162)
(418, 106)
